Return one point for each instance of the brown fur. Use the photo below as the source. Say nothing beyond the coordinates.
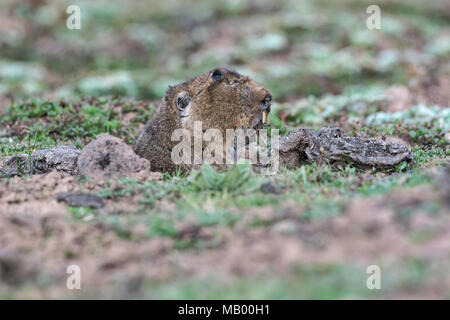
(221, 99)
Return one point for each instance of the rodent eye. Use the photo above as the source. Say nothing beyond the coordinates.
(217, 75)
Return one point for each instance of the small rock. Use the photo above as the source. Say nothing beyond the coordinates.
(81, 200)
(109, 157)
(60, 158)
(330, 145)
(17, 165)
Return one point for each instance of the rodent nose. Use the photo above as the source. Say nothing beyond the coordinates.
(265, 103)
(265, 107)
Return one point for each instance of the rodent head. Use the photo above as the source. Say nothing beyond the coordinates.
(221, 99)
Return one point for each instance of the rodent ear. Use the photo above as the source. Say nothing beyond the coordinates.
(217, 75)
(183, 101)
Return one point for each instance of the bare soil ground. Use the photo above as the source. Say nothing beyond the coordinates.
(39, 240)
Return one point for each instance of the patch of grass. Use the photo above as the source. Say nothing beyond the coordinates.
(304, 282)
(39, 124)
(210, 198)
(161, 226)
(82, 213)
(423, 156)
(313, 281)
(389, 183)
(236, 180)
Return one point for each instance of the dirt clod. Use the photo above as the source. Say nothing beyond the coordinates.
(60, 158)
(81, 200)
(107, 157)
(329, 144)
